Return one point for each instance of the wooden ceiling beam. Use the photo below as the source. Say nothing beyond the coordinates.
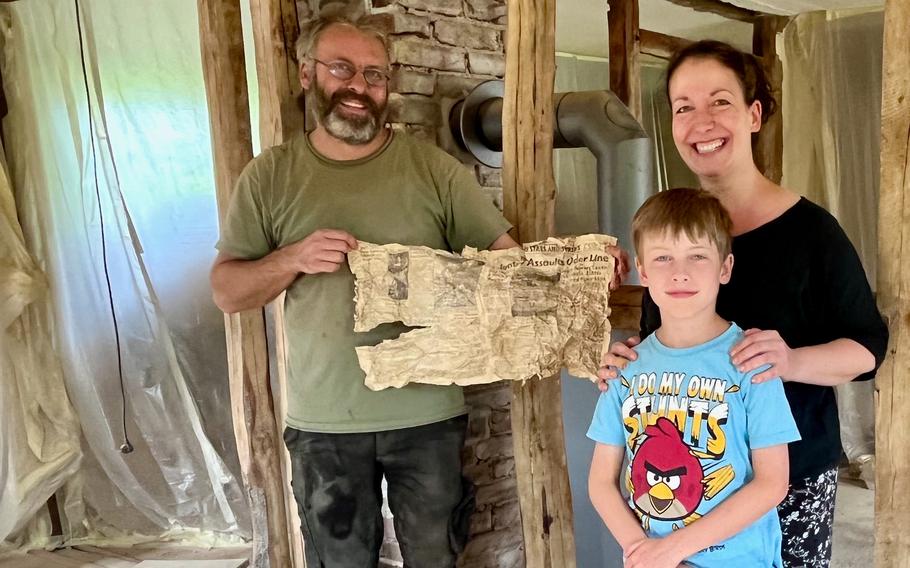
(660, 45)
(719, 8)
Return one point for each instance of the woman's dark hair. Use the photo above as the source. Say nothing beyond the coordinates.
(745, 66)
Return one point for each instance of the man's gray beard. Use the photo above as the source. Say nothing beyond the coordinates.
(355, 131)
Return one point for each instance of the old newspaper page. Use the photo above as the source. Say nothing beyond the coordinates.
(484, 316)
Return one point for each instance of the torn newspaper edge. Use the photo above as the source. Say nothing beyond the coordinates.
(485, 316)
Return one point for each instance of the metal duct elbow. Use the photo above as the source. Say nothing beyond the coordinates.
(600, 122)
(596, 120)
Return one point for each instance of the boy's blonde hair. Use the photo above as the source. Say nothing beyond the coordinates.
(693, 212)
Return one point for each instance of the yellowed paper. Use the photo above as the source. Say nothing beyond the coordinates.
(484, 316)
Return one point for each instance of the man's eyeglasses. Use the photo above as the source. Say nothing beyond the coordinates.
(346, 71)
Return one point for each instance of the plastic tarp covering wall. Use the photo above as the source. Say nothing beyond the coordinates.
(148, 146)
(832, 116)
(39, 445)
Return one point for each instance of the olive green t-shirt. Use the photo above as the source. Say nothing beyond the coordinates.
(408, 192)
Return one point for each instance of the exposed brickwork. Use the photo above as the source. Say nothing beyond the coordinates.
(442, 49)
(490, 465)
(413, 109)
(448, 7)
(414, 24)
(489, 177)
(466, 33)
(422, 53)
(494, 549)
(506, 514)
(488, 10)
(406, 81)
(484, 63)
(456, 86)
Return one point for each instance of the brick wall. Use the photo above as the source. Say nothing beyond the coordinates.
(441, 49)
(496, 537)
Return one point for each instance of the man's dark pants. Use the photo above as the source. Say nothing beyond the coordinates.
(336, 481)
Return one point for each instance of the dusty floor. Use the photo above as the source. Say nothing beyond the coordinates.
(853, 527)
(853, 538)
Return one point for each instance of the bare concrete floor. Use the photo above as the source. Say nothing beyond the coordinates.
(853, 527)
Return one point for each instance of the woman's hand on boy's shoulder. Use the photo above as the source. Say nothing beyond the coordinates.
(761, 347)
(621, 352)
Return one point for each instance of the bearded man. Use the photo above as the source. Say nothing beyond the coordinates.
(297, 210)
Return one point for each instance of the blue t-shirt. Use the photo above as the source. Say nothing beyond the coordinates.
(688, 420)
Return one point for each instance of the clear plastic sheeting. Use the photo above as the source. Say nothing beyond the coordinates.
(147, 144)
(832, 115)
(832, 119)
(39, 448)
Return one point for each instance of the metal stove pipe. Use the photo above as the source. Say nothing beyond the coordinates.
(596, 120)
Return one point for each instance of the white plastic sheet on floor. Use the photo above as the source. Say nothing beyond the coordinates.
(157, 210)
(832, 115)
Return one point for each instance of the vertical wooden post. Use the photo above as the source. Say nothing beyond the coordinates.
(892, 444)
(625, 47)
(769, 148)
(275, 30)
(625, 81)
(259, 442)
(529, 193)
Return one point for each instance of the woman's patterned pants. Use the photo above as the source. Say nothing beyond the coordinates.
(807, 521)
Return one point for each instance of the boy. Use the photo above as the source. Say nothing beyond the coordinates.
(707, 447)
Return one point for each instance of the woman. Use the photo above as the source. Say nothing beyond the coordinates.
(798, 287)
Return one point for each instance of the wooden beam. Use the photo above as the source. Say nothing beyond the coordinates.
(259, 441)
(892, 443)
(625, 308)
(719, 8)
(769, 148)
(660, 45)
(275, 29)
(625, 69)
(529, 193)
